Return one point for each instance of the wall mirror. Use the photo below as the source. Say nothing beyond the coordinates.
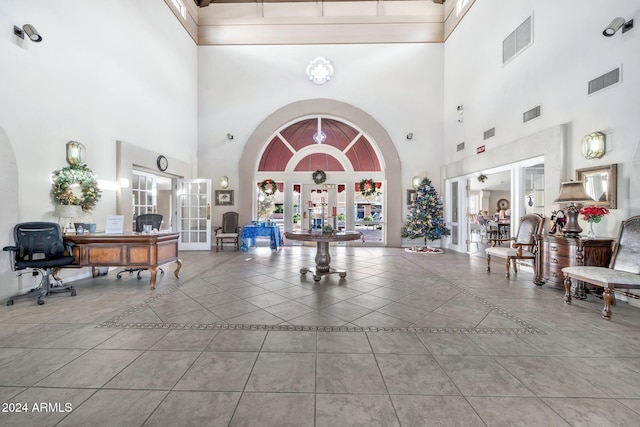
(601, 183)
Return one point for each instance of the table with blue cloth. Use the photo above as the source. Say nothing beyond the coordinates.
(250, 232)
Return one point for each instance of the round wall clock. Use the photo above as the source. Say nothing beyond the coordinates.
(503, 204)
(162, 163)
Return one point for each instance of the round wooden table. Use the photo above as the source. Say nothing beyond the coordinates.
(323, 259)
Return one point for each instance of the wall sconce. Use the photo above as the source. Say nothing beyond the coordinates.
(75, 153)
(224, 181)
(416, 181)
(29, 30)
(572, 192)
(229, 136)
(615, 25)
(594, 145)
(410, 136)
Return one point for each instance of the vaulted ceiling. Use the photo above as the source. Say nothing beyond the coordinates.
(273, 22)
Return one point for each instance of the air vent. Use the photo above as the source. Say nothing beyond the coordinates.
(531, 114)
(489, 133)
(517, 41)
(460, 146)
(605, 80)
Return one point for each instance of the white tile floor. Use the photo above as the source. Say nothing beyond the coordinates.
(243, 339)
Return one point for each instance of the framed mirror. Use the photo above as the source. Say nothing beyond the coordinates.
(601, 183)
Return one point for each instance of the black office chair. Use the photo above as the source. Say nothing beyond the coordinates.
(155, 221)
(40, 248)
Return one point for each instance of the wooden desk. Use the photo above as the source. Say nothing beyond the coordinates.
(130, 250)
(323, 259)
(557, 252)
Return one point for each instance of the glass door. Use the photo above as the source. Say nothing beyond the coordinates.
(319, 205)
(194, 214)
(143, 195)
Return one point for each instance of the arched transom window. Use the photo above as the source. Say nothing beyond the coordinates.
(319, 143)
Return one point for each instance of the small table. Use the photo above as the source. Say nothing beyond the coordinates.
(323, 259)
(250, 232)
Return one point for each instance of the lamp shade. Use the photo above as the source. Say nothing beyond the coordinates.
(572, 192)
(68, 211)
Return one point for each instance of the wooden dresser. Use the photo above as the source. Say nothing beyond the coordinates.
(557, 252)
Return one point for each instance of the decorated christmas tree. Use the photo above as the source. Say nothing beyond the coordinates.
(425, 218)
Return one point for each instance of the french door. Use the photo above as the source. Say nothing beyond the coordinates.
(194, 214)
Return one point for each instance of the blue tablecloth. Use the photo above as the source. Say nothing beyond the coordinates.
(250, 232)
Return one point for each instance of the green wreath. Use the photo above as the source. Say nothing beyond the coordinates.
(319, 176)
(368, 188)
(268, 184)
(64, 178)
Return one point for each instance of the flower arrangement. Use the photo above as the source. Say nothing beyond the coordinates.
(593, 213)
(63, 181)
(268, 186)
(319, 176)
(368, 188)
(327, 229)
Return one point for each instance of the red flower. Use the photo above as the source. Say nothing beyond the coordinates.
(593, 213)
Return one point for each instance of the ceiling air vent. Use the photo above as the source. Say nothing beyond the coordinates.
(460, 146)
(605, 80)
(517, 41)
(531, 114)
(489, 133)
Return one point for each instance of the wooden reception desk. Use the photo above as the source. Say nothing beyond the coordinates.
(129, 250)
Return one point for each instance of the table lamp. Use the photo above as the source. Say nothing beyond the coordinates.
(67, 211)
(572, 192)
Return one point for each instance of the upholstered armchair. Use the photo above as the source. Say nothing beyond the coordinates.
(522, 246)
(623, 271)
(230, 231)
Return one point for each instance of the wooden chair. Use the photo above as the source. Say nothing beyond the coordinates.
(229, 231)
(524, 245)
(623, 271)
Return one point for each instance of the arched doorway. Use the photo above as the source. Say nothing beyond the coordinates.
(310, 156)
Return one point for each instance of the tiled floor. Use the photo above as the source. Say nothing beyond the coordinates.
(243, 339)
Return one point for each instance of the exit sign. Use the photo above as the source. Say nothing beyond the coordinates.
(480, 149)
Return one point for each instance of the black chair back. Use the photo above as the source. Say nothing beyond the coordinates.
(230, 222)
(37, 241)
(154, 220)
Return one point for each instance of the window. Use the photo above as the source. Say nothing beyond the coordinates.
(180, 7)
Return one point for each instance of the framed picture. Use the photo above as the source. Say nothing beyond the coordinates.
(411, 197)
(224, 197)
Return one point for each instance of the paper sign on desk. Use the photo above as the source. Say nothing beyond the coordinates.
(115, 224)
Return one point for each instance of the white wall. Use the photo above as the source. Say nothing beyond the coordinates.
(568, 51)
(400, 85)
(104, 71)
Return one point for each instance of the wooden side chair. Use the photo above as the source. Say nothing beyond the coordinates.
(523, 246)
(230, 231)
(623, 271)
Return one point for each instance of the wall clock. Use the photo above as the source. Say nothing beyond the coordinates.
(503, 204)
(162, 163)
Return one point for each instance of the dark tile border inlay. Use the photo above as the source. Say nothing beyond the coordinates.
(525, 328)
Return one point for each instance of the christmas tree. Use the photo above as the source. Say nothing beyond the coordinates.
(425, 215)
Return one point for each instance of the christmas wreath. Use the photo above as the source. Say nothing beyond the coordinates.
(65, 178)
(368, 188)
(319, 176)
(268, 186)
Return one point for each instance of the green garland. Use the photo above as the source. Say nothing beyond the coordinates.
(268, 183)
(64, 178)
(368, 187)
(319, 176)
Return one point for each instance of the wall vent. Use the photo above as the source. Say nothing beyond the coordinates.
(531, 114)
(605, 80)
(460, 146)
(520, 39)
(489, 133)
